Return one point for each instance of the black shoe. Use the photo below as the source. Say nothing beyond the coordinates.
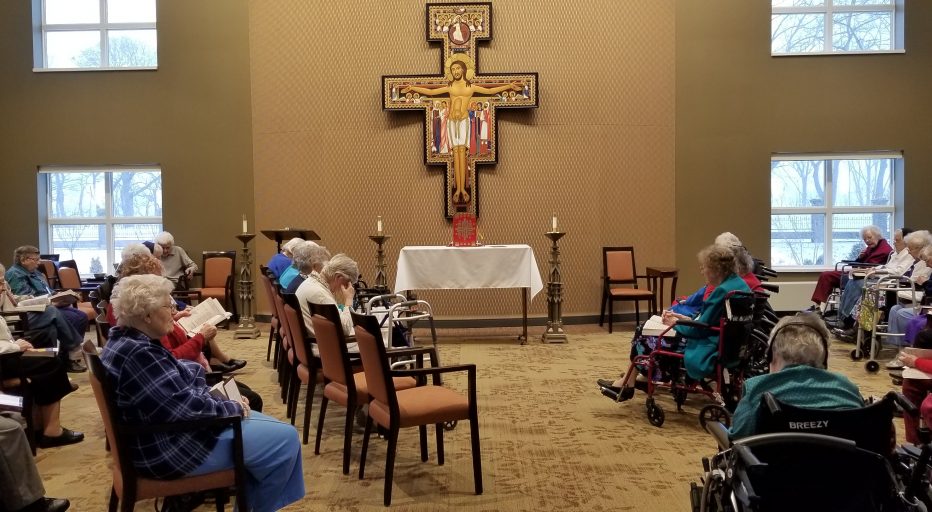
(65, 438)
(236, 363)
(73, 366)
(848, 333)
(222, 368)
(605, 383)
(48, 505)
(74, 385)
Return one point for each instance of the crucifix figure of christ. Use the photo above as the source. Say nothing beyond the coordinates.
(460, 106)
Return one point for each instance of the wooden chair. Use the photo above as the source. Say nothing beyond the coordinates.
(130, 487)
(618, 268)
(341, 384)
(305, 365)
(217, 280)
(275, 329)
(69, 279)
(50, 271)
(419, 406)
(13, 383)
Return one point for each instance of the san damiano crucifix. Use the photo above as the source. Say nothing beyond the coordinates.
(460, 105)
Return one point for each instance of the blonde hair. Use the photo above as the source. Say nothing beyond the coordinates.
(139, 264)
(719, 259)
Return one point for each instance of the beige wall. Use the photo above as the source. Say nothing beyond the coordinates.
(192, 117)
(599, 151)
(735, 105)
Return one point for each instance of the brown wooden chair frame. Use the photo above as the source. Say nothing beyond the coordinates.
(275, 339)
(302, 345)
(130, 487)
(607, 284)
(18, 385)
(229, 289)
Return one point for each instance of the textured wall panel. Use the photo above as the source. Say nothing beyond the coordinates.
(599, 152)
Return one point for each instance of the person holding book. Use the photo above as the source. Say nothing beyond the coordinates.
(47, 383)
(876, 251)
(19, 477)
(63, 323)
(152, 386)
(177, 266)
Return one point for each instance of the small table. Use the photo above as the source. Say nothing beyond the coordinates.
(454, 268)
(280, 235)
(655, 279)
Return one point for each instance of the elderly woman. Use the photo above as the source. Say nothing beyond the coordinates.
(798, 375)
(334, 285)
(876, 252)
(48, 383)
(63, 323)
(717, 265)
(151, 386)
(309, 258)
(282, 260)
(901, 314)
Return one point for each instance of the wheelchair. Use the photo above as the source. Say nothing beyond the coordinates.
(869, 318)
(814, 459)
(736, 346)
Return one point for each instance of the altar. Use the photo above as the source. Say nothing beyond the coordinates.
(454, 268)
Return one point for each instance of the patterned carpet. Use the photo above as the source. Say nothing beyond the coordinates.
(550, 441)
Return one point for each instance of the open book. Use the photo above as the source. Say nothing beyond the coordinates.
(654, 327)
(11, 402)
(38, 304)
(208, 311)
(227, 389)
(913, 373)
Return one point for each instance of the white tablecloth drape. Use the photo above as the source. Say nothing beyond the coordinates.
(489, 266)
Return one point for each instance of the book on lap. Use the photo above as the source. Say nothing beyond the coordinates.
(654, 326)
(227, 389)
(208, 311)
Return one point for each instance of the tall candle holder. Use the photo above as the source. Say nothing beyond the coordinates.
(554, 332)
(247, 327)
(380, 280)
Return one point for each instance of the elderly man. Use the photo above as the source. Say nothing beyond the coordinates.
(175, 261)
(282, 260)
(797, 375)
(69, 323)
(309, 259)
(19, 477)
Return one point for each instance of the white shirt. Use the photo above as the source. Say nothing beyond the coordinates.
(312, 290)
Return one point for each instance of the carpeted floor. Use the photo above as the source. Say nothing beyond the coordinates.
(550, 441)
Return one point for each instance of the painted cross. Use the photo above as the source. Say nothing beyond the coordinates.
(460, 105)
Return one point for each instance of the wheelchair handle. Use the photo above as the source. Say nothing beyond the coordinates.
(903, 402)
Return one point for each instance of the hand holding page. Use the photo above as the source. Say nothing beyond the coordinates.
(654, 326)
(209, 311)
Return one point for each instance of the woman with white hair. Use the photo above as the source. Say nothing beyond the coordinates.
(334, 285)
(798, 375)
(282, 260)
(309, 259)
(876, 252)
(152, 386)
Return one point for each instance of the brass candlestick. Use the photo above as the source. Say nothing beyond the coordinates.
(380, 281)
(247, 327)
(554, 332)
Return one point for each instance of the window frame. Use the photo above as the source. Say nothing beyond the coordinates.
(41, 30)
(46, 221)
(895, 209)
(897, 27)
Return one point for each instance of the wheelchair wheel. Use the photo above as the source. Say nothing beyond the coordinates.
(714, 412)
(872, 366)
(855, 355)
(655, 414)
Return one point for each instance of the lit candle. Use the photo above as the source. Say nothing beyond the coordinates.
(378, 225)
(245, 226)
(554, 223)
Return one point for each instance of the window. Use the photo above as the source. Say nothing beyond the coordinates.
(820, 27)
(95, 34)
(820, 203)
(91, 214)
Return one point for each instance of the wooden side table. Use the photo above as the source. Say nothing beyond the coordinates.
(655, 280)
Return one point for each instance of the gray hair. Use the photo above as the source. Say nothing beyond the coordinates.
(719, 259)
(926, 253)
(728, 239)
(341, 264)
(23, 251)
(133, 249)
(872, 229)
(309, 256)
(918, 239)
(165, 238)
(800, 339)
(289, 246)
(136, 296)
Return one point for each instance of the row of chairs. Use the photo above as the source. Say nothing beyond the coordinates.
(396, 398)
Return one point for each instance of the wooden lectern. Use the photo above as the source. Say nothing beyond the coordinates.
(279, 235)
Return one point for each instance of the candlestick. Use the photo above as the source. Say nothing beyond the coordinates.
(381, 283)
(247, 328)
(554, 332)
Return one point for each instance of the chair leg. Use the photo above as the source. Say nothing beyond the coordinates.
(390, 463)
(365, 447)
(611, 314)
(268, 351)
(348, 434)
(308, 404)
(602, 309)
(320, 424)
(440, 458)
(114, 500)
(422, 434)
(476, 456)
(293, 392)
(637, 312)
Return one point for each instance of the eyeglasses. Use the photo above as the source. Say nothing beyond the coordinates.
(33, 258)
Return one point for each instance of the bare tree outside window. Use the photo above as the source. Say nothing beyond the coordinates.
(832, 26)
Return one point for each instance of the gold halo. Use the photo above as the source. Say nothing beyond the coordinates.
(460, 57)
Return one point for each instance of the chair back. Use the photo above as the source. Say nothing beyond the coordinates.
(334, 357)
(269, 289)
(870, 427)
(296, 335)
(737, 324)
(375, 365)
(68, 263)
(218, 268)
(123, 468)
(68, 278)
(618, 265)
(370, 323)
(48, 269)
